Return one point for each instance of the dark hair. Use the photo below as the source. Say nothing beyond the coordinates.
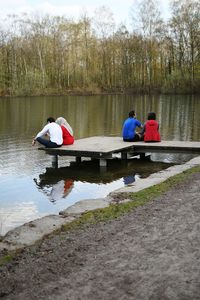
(151, 116)
(131, 114)
(50, 120)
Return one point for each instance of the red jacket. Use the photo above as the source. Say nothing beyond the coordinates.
(151, 133)
(68, 139)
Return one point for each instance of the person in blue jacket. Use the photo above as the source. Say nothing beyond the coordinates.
(128, 132)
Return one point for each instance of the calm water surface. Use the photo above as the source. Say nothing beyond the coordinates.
(30, 188)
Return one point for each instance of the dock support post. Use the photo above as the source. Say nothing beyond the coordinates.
(124, 155)
(103, 162)
(103, 165)
(55, 161)
(142, 155)
(78, 159)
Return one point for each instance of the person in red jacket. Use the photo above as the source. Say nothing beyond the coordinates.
(67, 131)
(151, 129)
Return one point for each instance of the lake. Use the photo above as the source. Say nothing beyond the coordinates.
(30, 188)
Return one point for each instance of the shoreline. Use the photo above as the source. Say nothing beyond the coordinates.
(31, 232)
(101, 93)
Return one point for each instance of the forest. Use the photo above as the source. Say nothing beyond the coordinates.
(48, 55)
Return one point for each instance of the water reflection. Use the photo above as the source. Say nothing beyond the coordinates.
(129, 179)
(62, 183)
(178, 116)
(57, 191)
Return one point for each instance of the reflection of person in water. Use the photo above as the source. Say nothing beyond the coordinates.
(129, 179)
(61, 189)
(67, 186)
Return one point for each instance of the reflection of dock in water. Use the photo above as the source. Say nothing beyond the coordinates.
(61, 183)
(88, 171)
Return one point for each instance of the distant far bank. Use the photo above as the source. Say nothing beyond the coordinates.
(90, 92)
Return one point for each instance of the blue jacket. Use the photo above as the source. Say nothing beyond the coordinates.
(129, 127)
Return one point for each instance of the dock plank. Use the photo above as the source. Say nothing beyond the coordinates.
(98, 146)
(106, 145)
(168, 146)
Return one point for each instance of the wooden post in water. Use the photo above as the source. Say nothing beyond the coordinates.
(55, 161)
(78, 159)
(142, 155)
(124, 155)
(103, 165)
(103, 162)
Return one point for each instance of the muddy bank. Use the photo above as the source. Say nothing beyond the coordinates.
(153, 252)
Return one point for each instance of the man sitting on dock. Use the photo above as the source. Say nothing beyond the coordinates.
(129, 127)
(54, 133)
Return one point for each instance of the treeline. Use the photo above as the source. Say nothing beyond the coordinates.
(56, 55)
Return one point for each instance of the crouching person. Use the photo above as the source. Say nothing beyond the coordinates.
(50, 136)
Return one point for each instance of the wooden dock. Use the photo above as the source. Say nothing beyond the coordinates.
(104, 147)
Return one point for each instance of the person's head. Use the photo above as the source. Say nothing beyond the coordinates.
(151, 116)
(61, 121)
(131, 114)
(50, 120)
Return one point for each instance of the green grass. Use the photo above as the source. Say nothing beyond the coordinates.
(5, 259)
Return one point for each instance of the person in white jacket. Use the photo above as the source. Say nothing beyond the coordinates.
(54, 133)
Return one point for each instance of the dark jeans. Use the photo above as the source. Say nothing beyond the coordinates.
(47, 143)
(135, 139)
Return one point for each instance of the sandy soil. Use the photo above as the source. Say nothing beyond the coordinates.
(151, 253)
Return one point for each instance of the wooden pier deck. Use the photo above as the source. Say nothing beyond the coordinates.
(103, 148)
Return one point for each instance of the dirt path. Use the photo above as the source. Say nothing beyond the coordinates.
(151, 253)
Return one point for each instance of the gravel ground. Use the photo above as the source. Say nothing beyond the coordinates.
(151, 253)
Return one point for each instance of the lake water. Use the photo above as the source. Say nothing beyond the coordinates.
(30, 188)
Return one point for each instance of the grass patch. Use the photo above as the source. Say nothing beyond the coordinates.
(5, 259)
